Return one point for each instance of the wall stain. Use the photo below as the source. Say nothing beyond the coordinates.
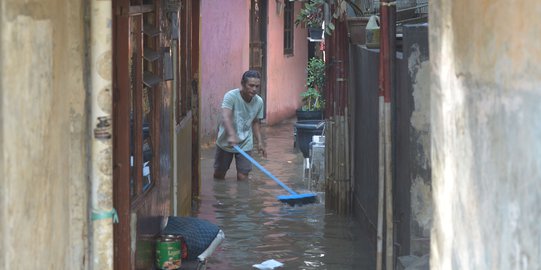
(105, 100)
(105, 161)
(421, 204)
(104, 67)
(36, 10)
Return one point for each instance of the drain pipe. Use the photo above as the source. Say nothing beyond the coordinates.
(101, 178)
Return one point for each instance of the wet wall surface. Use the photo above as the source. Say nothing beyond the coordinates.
(258, 227)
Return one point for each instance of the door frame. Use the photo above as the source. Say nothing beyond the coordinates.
(121, 147)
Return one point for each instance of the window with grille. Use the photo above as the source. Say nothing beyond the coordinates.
(289, 27)
(144, 94)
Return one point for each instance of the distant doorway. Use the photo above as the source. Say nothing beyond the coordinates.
(258, 42)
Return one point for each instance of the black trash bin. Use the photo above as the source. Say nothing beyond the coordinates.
(305, 129)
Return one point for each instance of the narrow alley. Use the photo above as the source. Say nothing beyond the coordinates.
(258, 227)
(431, 157)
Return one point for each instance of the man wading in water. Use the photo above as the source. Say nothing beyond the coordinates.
(242, 110)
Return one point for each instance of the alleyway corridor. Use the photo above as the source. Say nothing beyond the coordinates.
(258, 227)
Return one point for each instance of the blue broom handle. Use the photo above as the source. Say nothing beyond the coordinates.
(264, 170)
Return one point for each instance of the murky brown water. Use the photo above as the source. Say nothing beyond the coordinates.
(258, 227)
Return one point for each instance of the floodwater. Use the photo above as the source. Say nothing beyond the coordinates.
(258, 227)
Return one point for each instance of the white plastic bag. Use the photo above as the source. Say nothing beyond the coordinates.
(268, 265)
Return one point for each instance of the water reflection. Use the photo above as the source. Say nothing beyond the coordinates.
(258, 227)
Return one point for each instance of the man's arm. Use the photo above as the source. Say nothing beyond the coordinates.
(256, 127)
(227, 116)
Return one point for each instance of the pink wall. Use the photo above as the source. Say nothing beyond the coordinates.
(225, 56)
(286, 74)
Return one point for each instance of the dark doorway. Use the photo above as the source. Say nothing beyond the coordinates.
(258, 42)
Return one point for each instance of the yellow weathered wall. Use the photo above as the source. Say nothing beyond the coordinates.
(485, 108)
(184, 157)
(43, 196)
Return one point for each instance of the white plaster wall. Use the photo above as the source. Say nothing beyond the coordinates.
(486, 147)
(43, 196)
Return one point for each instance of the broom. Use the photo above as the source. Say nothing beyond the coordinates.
(294, 197)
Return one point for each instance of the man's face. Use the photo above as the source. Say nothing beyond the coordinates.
(251, 87)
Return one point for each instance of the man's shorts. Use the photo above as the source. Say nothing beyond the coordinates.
(222, 161)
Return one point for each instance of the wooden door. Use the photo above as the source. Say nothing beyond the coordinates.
(258, 38)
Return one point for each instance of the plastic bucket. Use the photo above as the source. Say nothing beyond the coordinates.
(305, 130)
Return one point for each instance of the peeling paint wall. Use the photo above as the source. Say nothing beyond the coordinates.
(44, 193)
(421, 182)
(486, 146)
(414, 204)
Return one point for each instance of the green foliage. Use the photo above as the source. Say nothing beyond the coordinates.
(311, 15)
(316, 73)
(315, 83)
(313, 101)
